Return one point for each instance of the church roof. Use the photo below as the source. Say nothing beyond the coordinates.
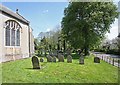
(13, 14)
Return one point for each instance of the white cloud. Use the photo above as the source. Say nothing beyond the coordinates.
(45, 11)
(113, 31)
(48, 29)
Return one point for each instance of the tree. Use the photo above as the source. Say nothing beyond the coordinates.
(85, 23)
(36, 43)
(45, 44)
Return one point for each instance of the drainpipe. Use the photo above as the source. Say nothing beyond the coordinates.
(29, 39)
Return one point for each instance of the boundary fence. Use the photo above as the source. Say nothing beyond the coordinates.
(115, 61)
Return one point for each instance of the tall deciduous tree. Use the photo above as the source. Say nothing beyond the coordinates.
(86, 23)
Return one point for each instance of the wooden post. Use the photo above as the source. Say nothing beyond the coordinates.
(109, 60)
(113, 62)
(118, 63)
(102, 57)
(106, 58)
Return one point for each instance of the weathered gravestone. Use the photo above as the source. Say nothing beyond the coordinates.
(41, 59)
(96, 60)
(50, 53)
(55, 52)
(35, 62)
(60, 58)
(49, 58)
(69, 59)
(81, 59)
(54, 59)
(68, 51)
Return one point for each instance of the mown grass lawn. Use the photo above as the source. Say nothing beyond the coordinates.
(20, 71)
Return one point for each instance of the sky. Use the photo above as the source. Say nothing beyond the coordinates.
(45, 16)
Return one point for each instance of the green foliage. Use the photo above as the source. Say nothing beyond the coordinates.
(109, 46)
(85, 23)
(36, 43)
(20, 71)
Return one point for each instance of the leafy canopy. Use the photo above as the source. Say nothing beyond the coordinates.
(85, 23)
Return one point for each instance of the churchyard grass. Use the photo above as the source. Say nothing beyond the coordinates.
(20, 71)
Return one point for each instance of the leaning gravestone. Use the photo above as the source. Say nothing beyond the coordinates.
(35, 62)
(54, 59)
(69, 59)
(49, 58)
(41, 59)
(60, 58)
(96, 60)
(81, 59)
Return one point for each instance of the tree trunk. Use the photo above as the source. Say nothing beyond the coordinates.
(64, 45)
(86, 42)
(86, 50)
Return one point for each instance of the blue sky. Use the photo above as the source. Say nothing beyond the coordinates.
(44, 16)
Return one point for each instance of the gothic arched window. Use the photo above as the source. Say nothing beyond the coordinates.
(18, 37)
(12, 37)
(12, 33)
(7, 34)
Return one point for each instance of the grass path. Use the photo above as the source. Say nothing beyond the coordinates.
(20, 71)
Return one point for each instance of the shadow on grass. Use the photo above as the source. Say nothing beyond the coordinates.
(31, 69)
(60, 84)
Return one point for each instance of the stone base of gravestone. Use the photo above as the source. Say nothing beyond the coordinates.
(49, 58)
(35, 62)
(81, 60)
(96, 60)
(54, 59)
(69, 59)
(41, 60)
(60, 58)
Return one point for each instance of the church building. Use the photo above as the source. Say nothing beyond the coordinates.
(16, 38)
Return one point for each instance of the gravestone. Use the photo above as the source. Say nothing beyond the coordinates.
(81, 59)
(60, 58)
(54, 59)
(50, 53)
(35, 62)
(96, 60)
(49, 58)
(41, 59)
(68, 51)
(69, 59)
(55, 53)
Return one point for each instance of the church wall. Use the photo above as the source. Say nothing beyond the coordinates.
(14, 52)
(1, 38)
(25, 41)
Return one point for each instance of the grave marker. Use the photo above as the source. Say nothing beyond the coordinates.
(96, 60)
(60, 58)
(35, 62)
(41, 59)
(69, 59)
